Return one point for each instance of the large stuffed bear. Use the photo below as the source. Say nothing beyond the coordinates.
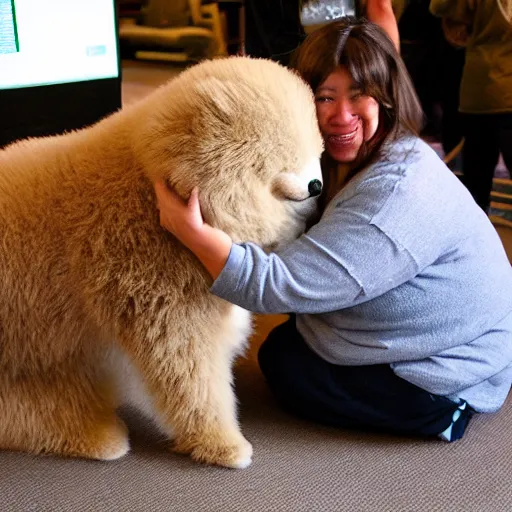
(97, 298)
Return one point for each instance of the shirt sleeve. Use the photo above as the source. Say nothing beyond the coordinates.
(342, 261)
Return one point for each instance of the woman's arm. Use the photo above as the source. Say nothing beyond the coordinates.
(342, 261)
(381, 13)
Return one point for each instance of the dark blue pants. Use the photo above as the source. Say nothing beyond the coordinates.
(362, 397)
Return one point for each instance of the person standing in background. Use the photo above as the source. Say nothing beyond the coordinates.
(484, 27)
(273, 30)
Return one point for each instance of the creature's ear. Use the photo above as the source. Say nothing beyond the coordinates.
(215, 92)
(222, 98)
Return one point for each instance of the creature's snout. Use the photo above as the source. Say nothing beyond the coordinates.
(315, 188)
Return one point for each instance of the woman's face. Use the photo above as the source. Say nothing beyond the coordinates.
(346, 117)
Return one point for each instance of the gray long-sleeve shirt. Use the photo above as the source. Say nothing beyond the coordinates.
(403, 268)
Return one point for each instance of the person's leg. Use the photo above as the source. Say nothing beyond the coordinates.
(452, 64)
(480, 156)
(505, 140)
(366, 397)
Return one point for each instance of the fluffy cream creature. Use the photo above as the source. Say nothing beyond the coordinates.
(97, 298)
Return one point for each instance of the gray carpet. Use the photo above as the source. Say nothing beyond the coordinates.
(297, 466)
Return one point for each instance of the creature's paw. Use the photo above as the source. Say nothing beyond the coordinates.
(235, 452)
(110, 442)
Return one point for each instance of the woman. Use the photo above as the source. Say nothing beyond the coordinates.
(401, 292)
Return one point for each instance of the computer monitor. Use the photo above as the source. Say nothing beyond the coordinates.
(59, 65)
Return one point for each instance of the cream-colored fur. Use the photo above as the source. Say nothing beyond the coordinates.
(92, 285)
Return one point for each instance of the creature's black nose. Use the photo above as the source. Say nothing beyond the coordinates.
(315, 188)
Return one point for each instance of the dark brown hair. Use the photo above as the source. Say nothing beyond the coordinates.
(375, 65)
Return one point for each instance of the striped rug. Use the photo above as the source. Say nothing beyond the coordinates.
(501, 202)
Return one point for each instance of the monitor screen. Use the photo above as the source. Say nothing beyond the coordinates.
(59, 66)
(45, 42)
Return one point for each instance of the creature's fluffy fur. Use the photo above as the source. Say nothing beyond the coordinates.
(90, 278)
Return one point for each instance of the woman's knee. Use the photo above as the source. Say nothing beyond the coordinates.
(274, 350)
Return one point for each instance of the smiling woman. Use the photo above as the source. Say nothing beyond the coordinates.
(401, 292)
(362, 97)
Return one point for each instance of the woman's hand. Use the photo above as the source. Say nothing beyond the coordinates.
(455, 32)
(185, 221)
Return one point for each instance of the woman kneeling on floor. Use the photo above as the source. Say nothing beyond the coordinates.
(401, 293)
